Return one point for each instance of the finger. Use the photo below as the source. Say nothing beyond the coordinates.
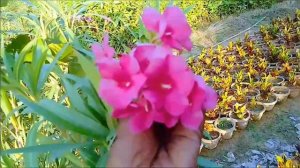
(132, 150)
(184, 144)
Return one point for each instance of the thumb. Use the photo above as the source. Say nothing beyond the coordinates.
(184, 144)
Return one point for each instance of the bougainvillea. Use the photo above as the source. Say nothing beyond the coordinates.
(150, 84)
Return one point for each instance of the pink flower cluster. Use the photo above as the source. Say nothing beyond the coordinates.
(150, 84)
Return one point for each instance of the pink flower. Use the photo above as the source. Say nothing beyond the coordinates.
(140, 112)
(171, 26)
(149, 52)
(151, 84)
(168, 84)
(162, 116)
(103, 51)
(201, 98)
(211, 97)
(122, 82)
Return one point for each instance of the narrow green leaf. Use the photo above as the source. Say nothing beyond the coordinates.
(18, 64)
(38, 60)
(66, 118)
(45, 73)
(77, 162)
(171, 3)
(39, 149)
(89, 155)
(93, 99)
(102, 162)
(90, 70)
(31, 159)
(75, 99)
(188, 9)
(8, 162)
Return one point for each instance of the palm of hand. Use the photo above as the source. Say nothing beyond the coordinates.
(157, 147)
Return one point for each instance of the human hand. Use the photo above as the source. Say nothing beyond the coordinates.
(156, 147)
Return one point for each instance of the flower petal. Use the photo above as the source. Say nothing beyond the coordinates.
(141, 121)
(130, 64)
(176, 103)
(211, 99)
(150, 18)
(114, 95)
(122, 113)
(163, 117)
(108, 67)
(192, 120)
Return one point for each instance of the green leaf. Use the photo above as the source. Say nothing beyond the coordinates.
(76, 161)
(171, 3)
(102, 162)
(57, 49)
(203, 162)
(46, 71)
(92, 96)
(66, 118)
(89, 155)
(18, 43)
(38, 60)
(3, 3)
(8, 162)
(188, 9)
(39, 149)
(31, 159)
(20, 59)
(75, 99)
(90, 70)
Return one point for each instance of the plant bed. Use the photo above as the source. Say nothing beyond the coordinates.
(225, 126)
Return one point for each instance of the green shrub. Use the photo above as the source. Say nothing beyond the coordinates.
(121, 18)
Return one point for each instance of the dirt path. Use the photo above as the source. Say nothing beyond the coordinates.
(274, 134)
(232, 25)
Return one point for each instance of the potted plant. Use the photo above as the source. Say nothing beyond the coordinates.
(225, 126)
(240, 95)
(287, 35)
(286, 69)
(277, 80)
(266, 98)
(292, 84)
(252, 93)
(256, 109)
(274, 53)
(211, 137)
(230, 47)
(212, 115)
(240, 115)
(241, 52)
(281, 92)
(284, 54)
(262, 65)
(226, 103)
